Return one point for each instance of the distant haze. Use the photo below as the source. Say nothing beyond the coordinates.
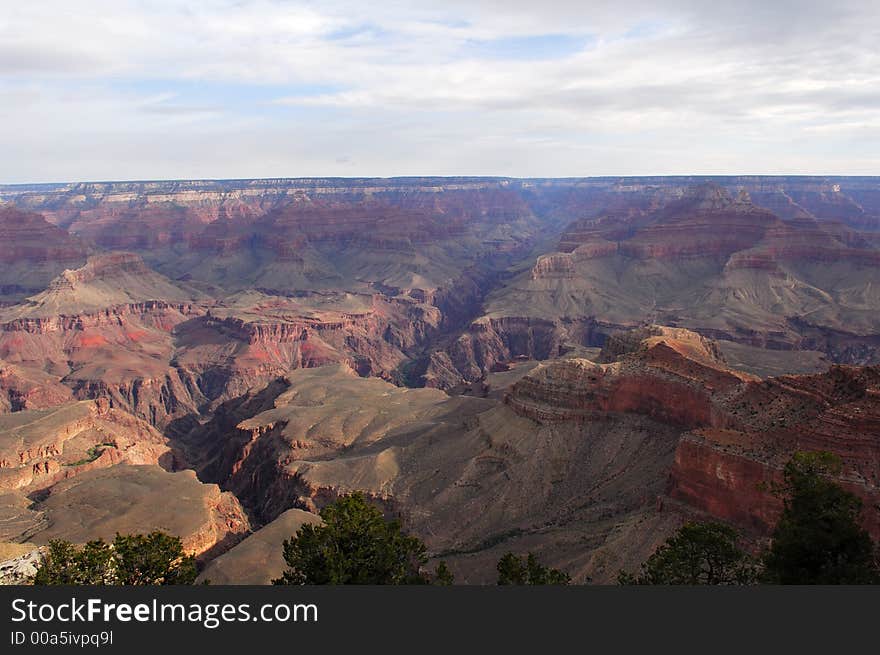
(125, 89)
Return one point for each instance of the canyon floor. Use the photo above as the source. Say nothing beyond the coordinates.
(567, 367)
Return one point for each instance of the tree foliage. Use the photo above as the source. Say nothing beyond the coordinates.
(818, 539)
(513, 570)
(442, 575)
(698, 554)
(152, 559)
(355, 545)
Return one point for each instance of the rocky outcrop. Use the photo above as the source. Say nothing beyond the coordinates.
(40, 448)
(729, 472)
(26, 388)
(90, 470)
(255, 445)
(284, 220)
(164, 361)
(737, 431)
(371, 343)
(154, 313)
(667, 374)
(468, 475)
(637, 342)
(115, 353)
(490, 343)
(429, 248)
(28, 237)
(101, 330)
(441, 373)
(157, 400)
(564, 265)
(552, 266)
(705, 222)
(579, 454)
(21, 569)
(280, 302)
(102, 267)
(134, 499)
(34, 252)
(711, 260)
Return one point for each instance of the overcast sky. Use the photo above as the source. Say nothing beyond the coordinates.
(137, 89)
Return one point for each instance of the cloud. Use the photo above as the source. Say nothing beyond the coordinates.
(512, 87)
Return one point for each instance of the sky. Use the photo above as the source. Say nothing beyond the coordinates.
(165, 89)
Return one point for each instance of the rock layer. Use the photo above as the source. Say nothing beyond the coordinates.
(134, 499)
(738, 431)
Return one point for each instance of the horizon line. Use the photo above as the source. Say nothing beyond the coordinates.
(317, 178)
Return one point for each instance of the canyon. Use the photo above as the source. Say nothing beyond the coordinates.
(573, 367)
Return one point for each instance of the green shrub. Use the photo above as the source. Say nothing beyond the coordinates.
(355, 545)
(153, 559)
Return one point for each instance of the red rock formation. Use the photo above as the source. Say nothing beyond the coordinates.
(490, 342)
(38, 449)
(839, 411)
(737, 430)
(707, 221)
(707, 260)
(282, 215)
(27, 237)
(33, 252)
(671, 377)
(23, 388)
(164, 360)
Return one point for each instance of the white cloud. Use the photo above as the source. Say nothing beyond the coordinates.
(352, 88)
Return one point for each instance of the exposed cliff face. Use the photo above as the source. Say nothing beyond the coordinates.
(29, 237)
(429, 245)
(163, 361)
(264, 230)
(372, 337)
(104, 330)
(490, 343)
(284, 235)
(707, 221)
(713, 262)
(254, 444)
(96, 333)
(212, 198)
(39, 448)
(670, 375)
(135, 499)
(737, 430)
(728, 472)
(461, 472)
(365, 276)
(25, 388)
(34, 251)
(388, 218)
(574, 463)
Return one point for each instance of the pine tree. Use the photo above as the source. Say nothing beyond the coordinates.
(513, 570)
(698, 554)
(819, 539)
(355, 545)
